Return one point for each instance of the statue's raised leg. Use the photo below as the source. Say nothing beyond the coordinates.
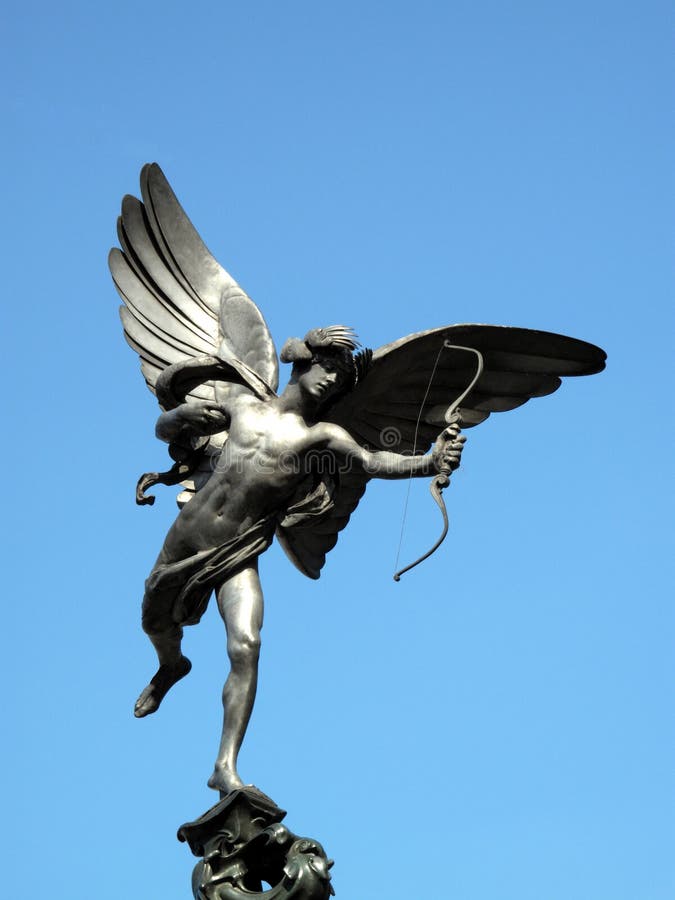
(172, 667)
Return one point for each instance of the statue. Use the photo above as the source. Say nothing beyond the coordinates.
(253, 464)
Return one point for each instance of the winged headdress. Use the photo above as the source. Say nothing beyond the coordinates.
(201, 338)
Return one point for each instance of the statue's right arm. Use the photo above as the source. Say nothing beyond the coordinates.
(191, 419)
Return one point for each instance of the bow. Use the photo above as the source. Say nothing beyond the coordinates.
(452, 419)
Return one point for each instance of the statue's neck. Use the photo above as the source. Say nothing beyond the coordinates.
(294, 400)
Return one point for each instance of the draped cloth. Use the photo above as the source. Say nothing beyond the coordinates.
(177, 593)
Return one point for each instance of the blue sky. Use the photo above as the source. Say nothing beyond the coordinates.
(498, 726)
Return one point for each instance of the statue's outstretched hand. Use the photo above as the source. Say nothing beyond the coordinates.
(447, 451)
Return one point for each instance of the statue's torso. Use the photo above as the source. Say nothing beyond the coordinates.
(256, 474)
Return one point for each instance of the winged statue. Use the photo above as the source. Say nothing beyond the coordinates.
(254, 464)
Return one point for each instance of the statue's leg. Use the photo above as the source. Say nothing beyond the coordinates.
(240, 602)
(166, 637)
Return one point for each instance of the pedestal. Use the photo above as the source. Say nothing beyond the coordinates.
(246, 853)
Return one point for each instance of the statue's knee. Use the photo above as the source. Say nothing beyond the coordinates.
(157, 609)
(243, 648)
(155, 621)
(150, 623)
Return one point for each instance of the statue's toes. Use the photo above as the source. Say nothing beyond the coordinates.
(146, 703)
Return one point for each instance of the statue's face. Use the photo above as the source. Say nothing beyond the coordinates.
(322, 378)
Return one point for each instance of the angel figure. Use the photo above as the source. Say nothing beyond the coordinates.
(254, 464)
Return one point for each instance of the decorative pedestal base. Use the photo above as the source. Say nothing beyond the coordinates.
(243, 845)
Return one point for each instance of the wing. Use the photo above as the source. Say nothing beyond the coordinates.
(399, 406)
(518, 364)
(307, 539)
(187, 318)
(179, 303)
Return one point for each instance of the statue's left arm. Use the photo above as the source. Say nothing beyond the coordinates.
(446, 453)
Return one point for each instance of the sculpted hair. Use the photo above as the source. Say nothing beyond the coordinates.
(335, 341)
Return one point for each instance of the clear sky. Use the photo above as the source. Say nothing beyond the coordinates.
(498, 726)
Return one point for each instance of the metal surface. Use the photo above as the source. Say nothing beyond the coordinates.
(243, 845)
(254, 464)
(451, 433)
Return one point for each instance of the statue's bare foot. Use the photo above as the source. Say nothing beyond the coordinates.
(224, 780)
(162, 682)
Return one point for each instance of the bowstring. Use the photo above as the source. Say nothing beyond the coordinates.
(414, 452)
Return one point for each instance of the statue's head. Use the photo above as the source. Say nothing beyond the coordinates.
(324, 364)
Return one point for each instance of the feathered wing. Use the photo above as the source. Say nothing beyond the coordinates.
(307, 539)
(388, 410)
(182, 309)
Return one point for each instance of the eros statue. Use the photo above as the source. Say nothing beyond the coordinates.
(254, 464)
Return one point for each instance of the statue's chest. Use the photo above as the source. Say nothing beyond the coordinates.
(270, 436)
